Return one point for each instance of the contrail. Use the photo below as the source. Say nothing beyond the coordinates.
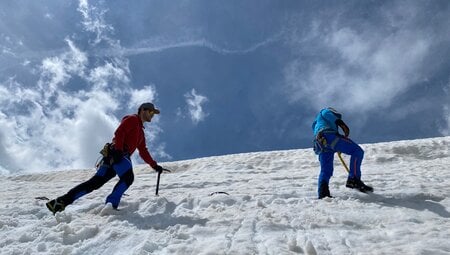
(193, 43)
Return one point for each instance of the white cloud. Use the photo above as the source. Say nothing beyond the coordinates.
(37, 135)
(93, 21)
(362, 69)
(195, 102)
(116, 71)
(57, 70)
(369, 73)
(91, 127)
(139, 96)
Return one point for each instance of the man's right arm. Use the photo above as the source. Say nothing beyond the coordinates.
(343, 126)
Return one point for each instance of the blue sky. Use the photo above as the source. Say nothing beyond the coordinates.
(228, 76)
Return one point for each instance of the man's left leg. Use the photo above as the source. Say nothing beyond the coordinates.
(124, 170)
(104, 174)
(347, 146)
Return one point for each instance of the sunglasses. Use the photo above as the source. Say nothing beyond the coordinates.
(150, 111)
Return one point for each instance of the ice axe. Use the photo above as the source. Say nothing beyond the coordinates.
(159, 176)
(343, 162)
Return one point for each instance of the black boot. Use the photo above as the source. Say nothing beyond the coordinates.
(55, 205)
(355, 183)
(324, 191)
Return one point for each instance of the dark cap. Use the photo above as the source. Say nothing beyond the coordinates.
(148, 106)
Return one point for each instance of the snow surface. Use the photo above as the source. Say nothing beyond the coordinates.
(271, 207)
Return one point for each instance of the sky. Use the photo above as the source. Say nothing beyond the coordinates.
(228, 76)
(271, 207)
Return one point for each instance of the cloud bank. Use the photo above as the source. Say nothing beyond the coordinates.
(370, 66)
(71, 112)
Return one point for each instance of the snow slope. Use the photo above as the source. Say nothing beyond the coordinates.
(271, 207)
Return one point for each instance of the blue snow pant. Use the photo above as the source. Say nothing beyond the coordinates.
(105, 172)
(338, 143)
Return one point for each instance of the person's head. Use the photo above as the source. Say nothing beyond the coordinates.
(338, 114)
(146, 112)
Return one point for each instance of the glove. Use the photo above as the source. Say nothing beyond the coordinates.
(158, 168)
(117, 156)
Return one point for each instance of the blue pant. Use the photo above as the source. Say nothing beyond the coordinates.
(338, 143)
(105, 172)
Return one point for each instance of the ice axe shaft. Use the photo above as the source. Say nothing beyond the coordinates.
(157, 183)
(158, 178)
(343, 162)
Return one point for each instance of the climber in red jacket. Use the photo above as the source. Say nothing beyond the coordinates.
(128, 137)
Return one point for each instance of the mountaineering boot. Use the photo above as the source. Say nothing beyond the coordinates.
(324, 191)
(55, 205)
(354, 183)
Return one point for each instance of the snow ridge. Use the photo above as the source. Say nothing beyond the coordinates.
(271, 207)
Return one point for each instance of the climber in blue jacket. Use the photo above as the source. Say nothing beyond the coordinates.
(327, 141)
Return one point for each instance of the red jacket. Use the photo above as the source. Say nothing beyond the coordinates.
(130, 135)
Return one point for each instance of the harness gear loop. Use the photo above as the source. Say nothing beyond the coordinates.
(321, 144)
(106, 151)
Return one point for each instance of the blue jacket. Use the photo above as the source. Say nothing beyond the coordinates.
(326, 121)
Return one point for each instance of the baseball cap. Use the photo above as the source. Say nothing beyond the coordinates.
(149, 106)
